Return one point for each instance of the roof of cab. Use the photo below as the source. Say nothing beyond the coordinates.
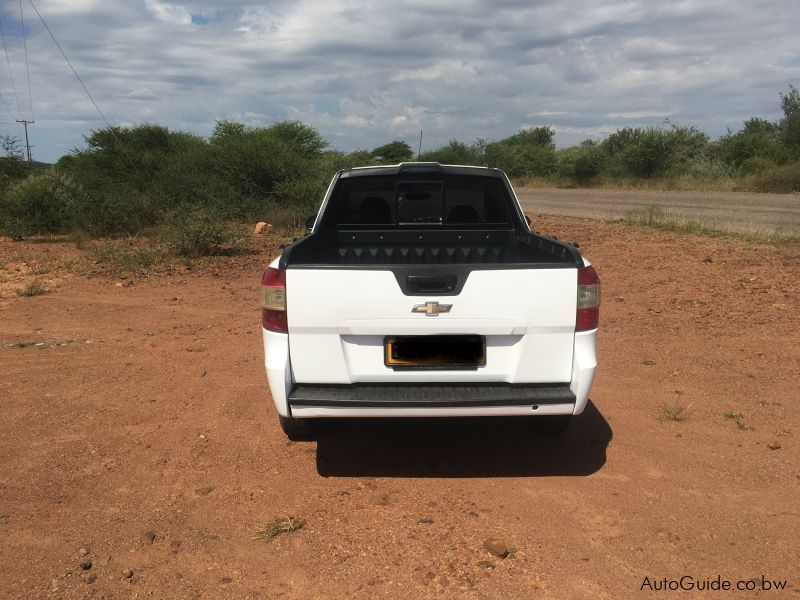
(420, 168)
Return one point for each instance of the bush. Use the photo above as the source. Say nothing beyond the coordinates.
(582, 163)
(197, 233)
(454, 153)
(653, 151)
(12, 169)
(48, 201)
(527, 153)
(115, 259)
(392, 153)
(778, 179)
(254, 160)
(533, 136)
(125, 179)
(142, 176)
(738, 148)
(756, 164)
(701, 169)
(521, 161)
(790, 124)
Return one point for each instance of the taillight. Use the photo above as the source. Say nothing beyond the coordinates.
(588, 313)
(273, 300)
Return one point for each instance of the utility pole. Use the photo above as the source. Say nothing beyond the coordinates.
(27, 144)
(419, 150)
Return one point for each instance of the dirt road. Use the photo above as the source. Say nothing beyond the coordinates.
(732, 211)
(140, 429)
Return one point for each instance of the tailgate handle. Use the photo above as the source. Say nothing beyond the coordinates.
(432, 283)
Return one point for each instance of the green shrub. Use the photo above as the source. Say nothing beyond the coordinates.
(112, 256)
(759, 143)
(533, 136)
(520, 161)
(527, 153)
(127, 179)
(197, 233)
(454, 153)
(756, 164)
(334, 160)
(12, 169)
(790, 124)
(392, 153)
(652, 151)
(140, 177)
(700, 170)
(778, 179)
(581, 163)
(48, 201)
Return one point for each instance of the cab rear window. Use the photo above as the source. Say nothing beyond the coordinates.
(448, 200)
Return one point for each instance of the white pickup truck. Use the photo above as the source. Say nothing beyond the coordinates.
(420, 291)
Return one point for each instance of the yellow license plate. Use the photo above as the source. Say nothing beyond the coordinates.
(435, 351)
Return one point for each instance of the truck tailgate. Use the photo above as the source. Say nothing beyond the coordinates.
(339, 320)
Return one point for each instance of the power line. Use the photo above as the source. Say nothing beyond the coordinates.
(25, 45)
(10, 71)
(66, 58)
(83, 85)
(5, 105)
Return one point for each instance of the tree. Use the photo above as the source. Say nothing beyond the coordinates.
(226, 130)
(454, 153)
(302, 136)
(533, 136)
(12, 146)
(393, 152)
(619, 140)
(790, 124)
(755, 125)
(758, 139)
(582, 163)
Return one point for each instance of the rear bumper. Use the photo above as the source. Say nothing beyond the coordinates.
(427, 400)
(318, 400)
(310, 412)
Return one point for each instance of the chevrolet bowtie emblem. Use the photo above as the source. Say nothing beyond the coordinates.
(432, 309)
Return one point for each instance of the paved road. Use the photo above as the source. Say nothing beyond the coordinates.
(732, 211)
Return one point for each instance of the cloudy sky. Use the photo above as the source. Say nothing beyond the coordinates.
(365, 73)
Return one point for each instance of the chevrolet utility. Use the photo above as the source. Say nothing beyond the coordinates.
(421, 291)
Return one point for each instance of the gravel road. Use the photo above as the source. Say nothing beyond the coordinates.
(731, 211)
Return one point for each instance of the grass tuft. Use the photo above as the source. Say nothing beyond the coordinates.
(112, 256)
(34, 288)
(658, 218)
(272, 530)
(78, 237)
(739, 418)
(673, 412)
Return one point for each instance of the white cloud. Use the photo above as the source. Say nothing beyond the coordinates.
(365, 73)
(169, 13)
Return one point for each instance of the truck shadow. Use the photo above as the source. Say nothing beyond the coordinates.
(468, 447)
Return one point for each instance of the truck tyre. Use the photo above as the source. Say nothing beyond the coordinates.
(553, 425)
(297, 430)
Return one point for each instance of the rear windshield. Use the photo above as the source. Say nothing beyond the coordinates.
(462, 200)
